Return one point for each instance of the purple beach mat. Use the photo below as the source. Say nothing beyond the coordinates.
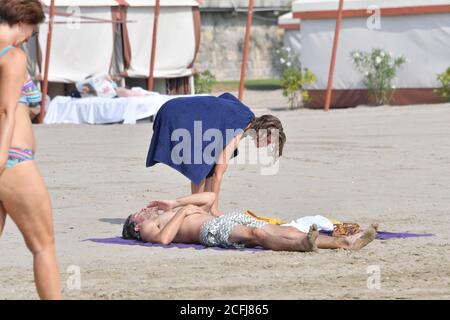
(381, 235)
(121, 241)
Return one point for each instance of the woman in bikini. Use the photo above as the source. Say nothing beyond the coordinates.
(23, 194)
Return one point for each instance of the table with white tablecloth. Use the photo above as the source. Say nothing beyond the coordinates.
(102, 111)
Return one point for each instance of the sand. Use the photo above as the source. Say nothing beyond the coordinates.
(386, 165)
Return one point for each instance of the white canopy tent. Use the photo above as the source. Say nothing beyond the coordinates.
(177, 41)
(292, 34)
(79, 49)
(93, 47)
(417, 29)
(99, 37)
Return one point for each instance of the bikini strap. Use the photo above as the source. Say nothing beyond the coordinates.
(5, 50)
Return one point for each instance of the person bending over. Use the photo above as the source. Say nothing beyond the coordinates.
(189, 220)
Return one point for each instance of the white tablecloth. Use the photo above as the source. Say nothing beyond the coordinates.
(102, 111)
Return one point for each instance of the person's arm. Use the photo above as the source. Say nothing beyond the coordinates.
(2, 218)
(12, 78)
(204, 200)
(219, 171)
(152, 233)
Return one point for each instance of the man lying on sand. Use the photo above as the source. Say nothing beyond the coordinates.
(188, 220)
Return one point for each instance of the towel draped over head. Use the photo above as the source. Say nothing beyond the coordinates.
(193, 118)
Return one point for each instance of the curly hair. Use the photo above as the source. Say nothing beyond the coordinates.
(13, 12)
(269, 122)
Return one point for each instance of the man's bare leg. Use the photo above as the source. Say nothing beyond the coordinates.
(362, 239)
(253, 237)
(354, 242)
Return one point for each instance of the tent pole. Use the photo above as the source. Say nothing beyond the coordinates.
(47, 61)
(151, 80)
(246, 45)
(333, 55)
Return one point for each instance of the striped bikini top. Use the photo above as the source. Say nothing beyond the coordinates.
(30, 92)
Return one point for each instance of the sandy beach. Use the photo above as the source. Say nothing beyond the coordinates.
(389, 165)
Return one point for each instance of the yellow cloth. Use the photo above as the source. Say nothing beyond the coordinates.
(335, 222)
(268, 220)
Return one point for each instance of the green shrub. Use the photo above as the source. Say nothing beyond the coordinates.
(379, 69)
(444, 90)
(294, 78)
(204, 82)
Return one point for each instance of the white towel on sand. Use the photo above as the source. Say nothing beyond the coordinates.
(303, 224)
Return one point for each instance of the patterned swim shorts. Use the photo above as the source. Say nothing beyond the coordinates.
(216, 232)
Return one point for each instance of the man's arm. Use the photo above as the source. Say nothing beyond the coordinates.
(12, 79)
(205, 200)
(165, 236)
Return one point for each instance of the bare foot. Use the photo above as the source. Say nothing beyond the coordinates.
(362, 239)
(309, 243)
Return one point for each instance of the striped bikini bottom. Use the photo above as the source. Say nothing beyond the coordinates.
(17, 155)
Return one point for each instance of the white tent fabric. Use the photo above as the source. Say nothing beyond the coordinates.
(288, 19)
(327, 5)
(164, 3)
(293, 40)
(422, 39)
(137, 3)
(102, 111)
(175, 49)
(86, 49)
(81, 3)
(79, 50)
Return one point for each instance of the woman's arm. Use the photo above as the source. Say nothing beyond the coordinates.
(219, 171)
(12, 78)
(2, 218)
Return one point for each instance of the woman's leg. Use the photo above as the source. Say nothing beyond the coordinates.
(198, 188)
(2, 218)
(208, 184)
(26, 199)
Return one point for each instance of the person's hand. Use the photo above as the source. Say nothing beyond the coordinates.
(216, 212)
(191, 209)
(164, 205)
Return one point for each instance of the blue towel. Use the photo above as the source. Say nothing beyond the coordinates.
(222, 113)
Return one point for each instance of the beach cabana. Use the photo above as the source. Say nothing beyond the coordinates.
(115, 37)
(292, 34)
(82, 40)
(177, 42)
(417, 29)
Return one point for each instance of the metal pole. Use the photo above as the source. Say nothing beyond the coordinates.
(246, 45)
(47, 61)
(333, 55)
(151, 80)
